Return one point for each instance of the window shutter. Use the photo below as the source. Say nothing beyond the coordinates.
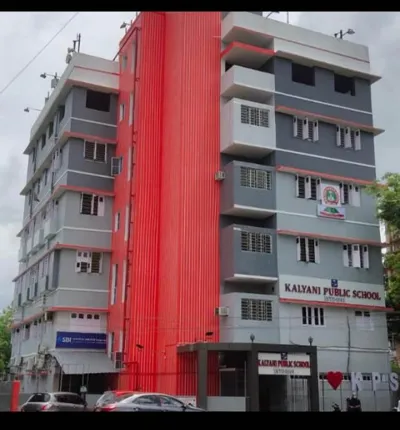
(298, 249)
(307, 246)
(338, 139)
(345, 256)
(341, 186)
(316, 251)
(365, 257)
(296, 178)
(315, 136)
(347, 137)
(305, 129)
(319, 189)
(295, 126)
(356, 255)
(308, 187)
(127, 216)
(357, 140)
(81, 205)
(355, 196)
(101, 206)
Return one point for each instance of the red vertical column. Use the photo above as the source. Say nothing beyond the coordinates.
(189, 231)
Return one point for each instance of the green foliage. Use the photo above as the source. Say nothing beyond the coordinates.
(5, 338)
(387, 193)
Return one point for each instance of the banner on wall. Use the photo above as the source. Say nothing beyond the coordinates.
(75, 340)
(283, 364)
(330, 206)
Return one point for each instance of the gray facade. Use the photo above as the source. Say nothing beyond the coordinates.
(320, 134)
(62, 284)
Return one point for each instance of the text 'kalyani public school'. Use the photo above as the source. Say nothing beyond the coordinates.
(333, 292)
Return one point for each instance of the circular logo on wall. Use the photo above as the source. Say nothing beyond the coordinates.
(330, 196)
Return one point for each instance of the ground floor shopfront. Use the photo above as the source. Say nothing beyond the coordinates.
(258, 377)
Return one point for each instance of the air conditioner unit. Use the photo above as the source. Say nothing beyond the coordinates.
(222, 311)
(220, 175)
(118, 360)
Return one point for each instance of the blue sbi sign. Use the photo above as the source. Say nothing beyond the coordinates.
(74, 340)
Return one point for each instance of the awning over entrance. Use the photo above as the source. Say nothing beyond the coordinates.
(80, 362)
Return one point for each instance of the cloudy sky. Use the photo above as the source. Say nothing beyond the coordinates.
(23, 35)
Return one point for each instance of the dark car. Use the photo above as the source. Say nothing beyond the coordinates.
(110, 397)
(54, 402)
(150, 402)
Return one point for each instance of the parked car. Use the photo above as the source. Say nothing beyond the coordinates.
(110, 397)
(54, 402)
(149, 402)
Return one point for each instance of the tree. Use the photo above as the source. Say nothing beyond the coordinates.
(5, 338)
(387, 193)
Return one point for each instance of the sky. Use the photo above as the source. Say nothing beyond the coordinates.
(24, 34)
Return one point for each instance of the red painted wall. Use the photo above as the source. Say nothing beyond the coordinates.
(174, 278)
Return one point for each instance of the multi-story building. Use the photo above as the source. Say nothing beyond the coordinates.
(61, 290)
(246, 256)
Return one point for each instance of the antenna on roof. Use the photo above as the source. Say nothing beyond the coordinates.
(76, 47)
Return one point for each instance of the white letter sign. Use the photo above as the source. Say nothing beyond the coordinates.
(356, 381)
(376, 379)
(394, 381)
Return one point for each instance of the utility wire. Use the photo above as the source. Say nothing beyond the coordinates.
(38, 53)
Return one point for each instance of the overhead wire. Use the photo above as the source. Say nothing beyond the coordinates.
(22, 70)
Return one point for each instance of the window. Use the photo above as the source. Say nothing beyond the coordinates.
(117, 221)
(364, 320)
(170, 402)
(147, 400)
(303, 74)
(356, 256)
(313, 316)
(50, 130)
(254, 116)
(116, 166)
(45, 267)
(124, 62)
(121, 111)
(88, 262)
(57, 159)
(255, 178)
(114, 283)
(344, 84)
(256, 310)
(255, 242)
(61, 113)
(98, 101)
(127, 219)
(95, 151)
(348, 138)
(307, 187)
(350, 195)
(305, 129)
(131, 107)
(91, 204)
(307, 250)
(43, 141)
(45, 176)
(39, 398)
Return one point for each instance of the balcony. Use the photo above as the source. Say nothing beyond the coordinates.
(29, 245)
(294, 43)
(22, 254)
(49, 229)
(248, 190)
(249, 314)
(247, 84)
(247, 129)
(36, 241)
(248, 254)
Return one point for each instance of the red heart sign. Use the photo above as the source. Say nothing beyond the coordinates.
(334, 379)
